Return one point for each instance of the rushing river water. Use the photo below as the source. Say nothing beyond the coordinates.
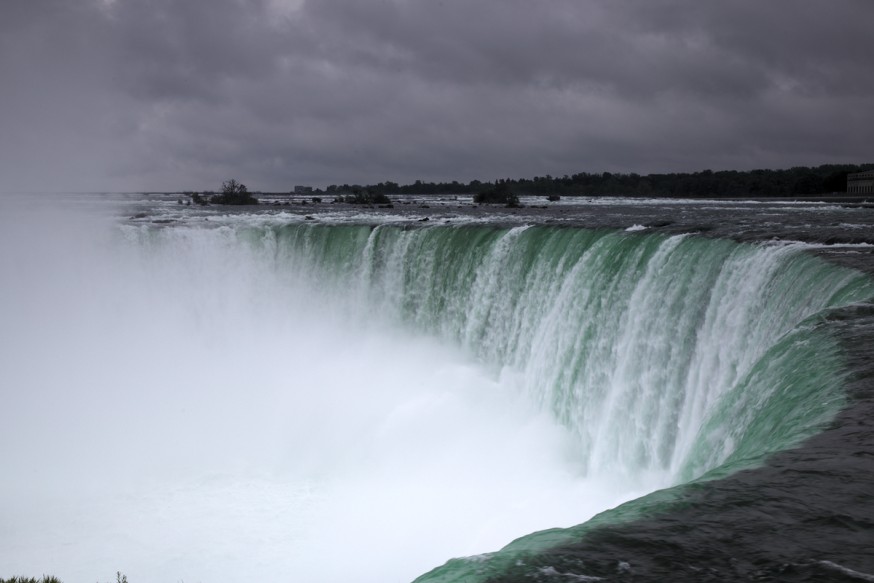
(611, 388)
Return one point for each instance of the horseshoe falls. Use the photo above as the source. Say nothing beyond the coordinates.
(255, 397)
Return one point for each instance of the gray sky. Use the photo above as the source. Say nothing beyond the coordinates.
(182, 94)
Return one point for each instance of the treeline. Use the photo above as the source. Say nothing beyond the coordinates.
(798, 181)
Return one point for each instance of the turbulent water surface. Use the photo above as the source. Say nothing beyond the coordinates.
(616, 390)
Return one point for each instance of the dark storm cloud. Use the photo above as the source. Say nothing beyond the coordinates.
(135, 94)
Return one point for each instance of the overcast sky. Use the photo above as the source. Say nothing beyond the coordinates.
(182, 94)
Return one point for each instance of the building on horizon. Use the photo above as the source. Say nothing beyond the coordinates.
(303, 189)
(860, 183)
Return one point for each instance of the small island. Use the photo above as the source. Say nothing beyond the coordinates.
(233, 192)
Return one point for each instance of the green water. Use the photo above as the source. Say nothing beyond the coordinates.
(670, 358)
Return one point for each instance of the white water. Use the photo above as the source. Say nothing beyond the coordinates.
(186, 413)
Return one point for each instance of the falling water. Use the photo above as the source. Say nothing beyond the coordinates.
(296, 400)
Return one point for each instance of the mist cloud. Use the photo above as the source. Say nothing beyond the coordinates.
(162, 94)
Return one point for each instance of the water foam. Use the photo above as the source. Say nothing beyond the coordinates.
(180, 409)
(256, 399)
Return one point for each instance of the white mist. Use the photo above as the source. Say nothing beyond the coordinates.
(185, 411)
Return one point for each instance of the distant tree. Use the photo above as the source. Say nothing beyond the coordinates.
(500, 194)
(799, 181)
(234, 192)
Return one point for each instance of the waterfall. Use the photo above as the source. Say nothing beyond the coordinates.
(248, 400)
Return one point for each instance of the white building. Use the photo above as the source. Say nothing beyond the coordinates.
(860, 183)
